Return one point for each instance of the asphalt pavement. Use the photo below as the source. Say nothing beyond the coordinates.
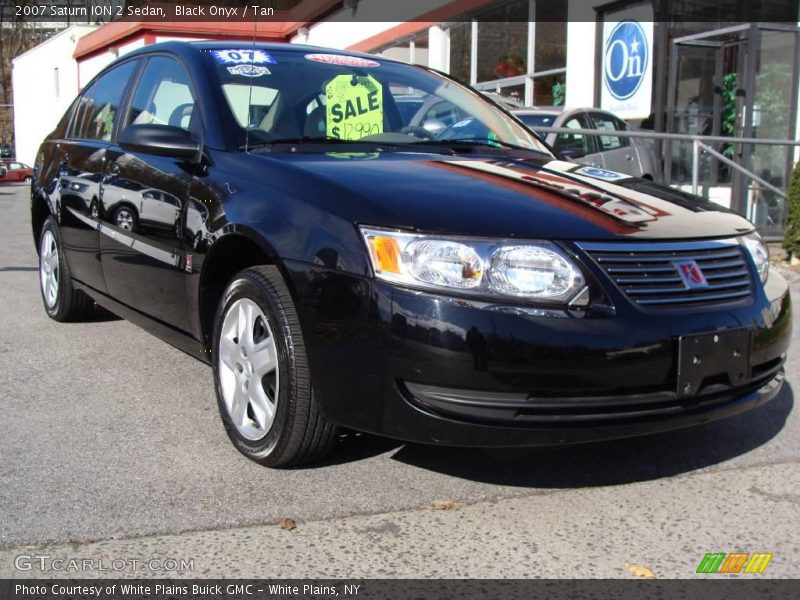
(111, 448)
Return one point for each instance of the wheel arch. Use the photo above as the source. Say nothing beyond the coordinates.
(127, 203)
(39, 213)
(230, 253)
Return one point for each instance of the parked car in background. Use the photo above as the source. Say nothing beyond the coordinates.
(632, 156)
(130, 205)
(13, 172)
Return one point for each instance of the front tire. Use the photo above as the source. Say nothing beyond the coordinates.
(61, 300)
(261, 374)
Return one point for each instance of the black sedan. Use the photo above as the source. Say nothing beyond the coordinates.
(339, 266)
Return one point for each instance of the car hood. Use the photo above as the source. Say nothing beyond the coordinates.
(506, 197)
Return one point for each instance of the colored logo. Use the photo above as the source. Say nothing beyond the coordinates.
(691, 274)
(735, 562)
(625, 59)
(601, 173)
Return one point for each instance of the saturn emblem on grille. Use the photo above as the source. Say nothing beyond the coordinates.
(691, 274)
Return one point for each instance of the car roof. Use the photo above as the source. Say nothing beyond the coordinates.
(190, 46)
(539, 110)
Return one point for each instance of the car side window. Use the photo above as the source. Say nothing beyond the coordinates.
(574, 140)
(163, 96)
(79, 127)
(97, 108)
(609, 123)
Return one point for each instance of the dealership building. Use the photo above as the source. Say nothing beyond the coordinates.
(691, 67)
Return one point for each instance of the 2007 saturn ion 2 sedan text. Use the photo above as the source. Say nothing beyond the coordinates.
(269, 210)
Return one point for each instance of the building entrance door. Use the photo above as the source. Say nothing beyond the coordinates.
(739, 81)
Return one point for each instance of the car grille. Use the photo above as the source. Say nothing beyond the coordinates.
(648, 275)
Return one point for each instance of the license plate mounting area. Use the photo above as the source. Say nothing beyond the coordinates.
(721, 353)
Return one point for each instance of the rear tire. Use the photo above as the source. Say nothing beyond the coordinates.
(261, 374)
(62, 301)
(125, 218)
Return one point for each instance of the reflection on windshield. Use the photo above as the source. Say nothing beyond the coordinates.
(279, 95)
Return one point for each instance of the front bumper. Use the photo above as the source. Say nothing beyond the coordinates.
(427, 368)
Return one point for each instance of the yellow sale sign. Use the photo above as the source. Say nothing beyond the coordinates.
(354, 107)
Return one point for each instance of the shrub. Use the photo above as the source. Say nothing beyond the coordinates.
(791, 237)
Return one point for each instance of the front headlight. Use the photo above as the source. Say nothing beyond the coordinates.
(759, 252)
(537, 271)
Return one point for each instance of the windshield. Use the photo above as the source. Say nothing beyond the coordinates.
(299, 95)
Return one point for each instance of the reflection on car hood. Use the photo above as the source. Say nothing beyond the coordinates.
(498, 196)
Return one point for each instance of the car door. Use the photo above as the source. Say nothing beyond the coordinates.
(577, 146)
(617, 152)
(81, 159)
(15, 171)
(143, 260)
(160, 209)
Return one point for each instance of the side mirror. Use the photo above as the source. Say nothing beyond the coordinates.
(161, 140)
(572, 152)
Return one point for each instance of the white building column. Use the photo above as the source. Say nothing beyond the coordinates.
(580, 62)
(437, 48)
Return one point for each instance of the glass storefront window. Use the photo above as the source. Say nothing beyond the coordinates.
(514, 93)
(772, 118)
(460, 51)
(503, 42)
(550, 90)
(500, 39)
(550, 35)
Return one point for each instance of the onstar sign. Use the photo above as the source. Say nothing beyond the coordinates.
(627, 68)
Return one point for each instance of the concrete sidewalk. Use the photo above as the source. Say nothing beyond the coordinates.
(663, 526)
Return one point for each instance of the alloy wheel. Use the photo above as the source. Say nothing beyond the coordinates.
(49, 268)
(125, 219)
(248, 369)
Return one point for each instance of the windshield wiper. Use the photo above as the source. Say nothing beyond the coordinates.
(454, 145)
(489, 143)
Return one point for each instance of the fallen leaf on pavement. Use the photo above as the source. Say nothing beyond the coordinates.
(640, 571)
